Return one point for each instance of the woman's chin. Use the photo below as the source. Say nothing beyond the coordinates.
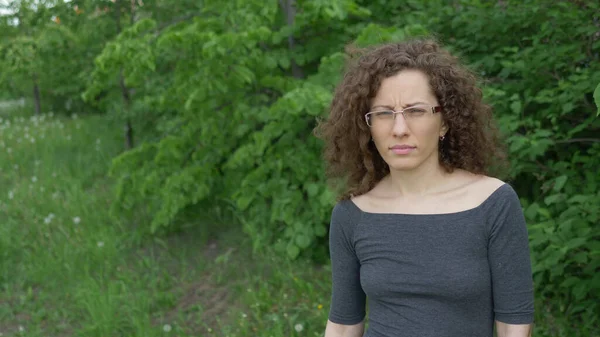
(403, 165)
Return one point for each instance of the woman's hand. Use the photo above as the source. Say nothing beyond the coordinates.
(341, 330)
(513, 330)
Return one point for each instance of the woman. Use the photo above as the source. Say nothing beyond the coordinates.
(437, 246)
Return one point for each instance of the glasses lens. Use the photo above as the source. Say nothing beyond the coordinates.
(416, 111)
(385, 118)
(380, 118)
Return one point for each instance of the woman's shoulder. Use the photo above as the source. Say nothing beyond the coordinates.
(487, 187)
(465, 191)
(489, 192)
(346, 210)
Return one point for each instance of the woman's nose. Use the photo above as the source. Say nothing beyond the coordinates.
(400, 127)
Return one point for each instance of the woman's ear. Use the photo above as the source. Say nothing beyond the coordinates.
(443, 129)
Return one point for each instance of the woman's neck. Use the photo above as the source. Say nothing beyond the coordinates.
(422, 181)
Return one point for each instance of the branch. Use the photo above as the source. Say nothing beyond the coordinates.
(175, 21)
(579, 140)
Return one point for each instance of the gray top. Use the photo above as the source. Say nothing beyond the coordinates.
(436, 275)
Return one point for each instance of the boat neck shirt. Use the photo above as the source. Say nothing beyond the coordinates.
(449, 274)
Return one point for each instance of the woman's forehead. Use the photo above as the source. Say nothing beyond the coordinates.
(408, 87)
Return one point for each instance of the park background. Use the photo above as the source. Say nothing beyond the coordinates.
(159, 175)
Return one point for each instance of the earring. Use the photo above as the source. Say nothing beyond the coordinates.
(442, 138)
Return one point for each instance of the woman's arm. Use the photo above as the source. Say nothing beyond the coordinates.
(340, 330)
(348, 300)
(510, 265)
(513, 330)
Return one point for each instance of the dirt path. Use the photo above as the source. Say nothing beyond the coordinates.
(209, 301)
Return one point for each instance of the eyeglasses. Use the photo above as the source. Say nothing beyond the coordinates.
(387, 117)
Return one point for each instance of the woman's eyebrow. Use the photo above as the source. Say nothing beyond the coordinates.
(382, 106)
(392, 108)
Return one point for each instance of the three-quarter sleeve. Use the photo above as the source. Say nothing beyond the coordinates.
(347, 298)
(509, 260)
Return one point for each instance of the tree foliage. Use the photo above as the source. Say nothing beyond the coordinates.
(225, 95)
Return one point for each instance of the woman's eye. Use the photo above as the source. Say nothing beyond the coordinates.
(415, 111)
(384, 113)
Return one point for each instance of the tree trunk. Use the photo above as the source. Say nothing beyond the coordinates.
(289, 8)
(36, 95)
(127, 128)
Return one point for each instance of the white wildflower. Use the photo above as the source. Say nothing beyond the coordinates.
(244, 315)
(100, 244)
(76, 220)
(167, 328)
(21, 328)
(298, 327)
(49, 218)
(11, 195)
(33, 179)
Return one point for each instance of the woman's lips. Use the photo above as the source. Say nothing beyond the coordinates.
(402, 149)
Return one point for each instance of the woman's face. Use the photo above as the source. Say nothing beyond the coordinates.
(411, 139)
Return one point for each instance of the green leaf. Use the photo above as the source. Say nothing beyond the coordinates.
(293, 251)
(532, 210)
(516, 107)
(575, 242)
(581, 257)
(545, 213)
(559, 183)
(303, 241)
(579, 198)
(312, 189)
(569, 282)
(552, 199)
(320, 230)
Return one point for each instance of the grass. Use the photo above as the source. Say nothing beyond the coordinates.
(69, 268)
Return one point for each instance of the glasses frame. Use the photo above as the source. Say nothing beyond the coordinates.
(434, 109)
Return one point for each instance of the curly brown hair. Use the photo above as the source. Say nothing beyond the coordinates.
(472, 142)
